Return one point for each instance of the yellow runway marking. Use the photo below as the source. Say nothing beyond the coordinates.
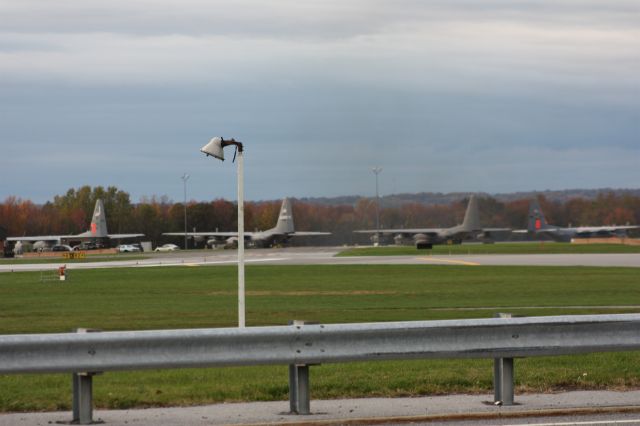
(456, 262)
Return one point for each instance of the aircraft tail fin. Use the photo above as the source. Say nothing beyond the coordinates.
(285, 218)
(98, 221)
(536, 217)
(472, 217)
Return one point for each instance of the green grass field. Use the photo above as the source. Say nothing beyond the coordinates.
(192, 297)
(498, 248)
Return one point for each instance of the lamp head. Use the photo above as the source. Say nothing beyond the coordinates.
(216, 145)
(214, 148)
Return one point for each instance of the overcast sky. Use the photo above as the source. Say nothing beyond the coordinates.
(448, 95)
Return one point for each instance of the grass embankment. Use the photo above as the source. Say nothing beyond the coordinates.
(186, 297)
(498, 248)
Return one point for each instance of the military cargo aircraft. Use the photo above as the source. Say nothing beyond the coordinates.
(426, 238)
(97, 232)
(281, 233)
(537, 224)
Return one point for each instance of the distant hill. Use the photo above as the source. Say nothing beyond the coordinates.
(432, 198)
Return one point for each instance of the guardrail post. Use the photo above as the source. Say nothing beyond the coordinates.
(293, 385)
(82, 384)
(503, 388)
(82, 398)
(299, 389)
(299, 394)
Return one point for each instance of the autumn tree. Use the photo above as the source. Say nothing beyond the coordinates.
(70, 213)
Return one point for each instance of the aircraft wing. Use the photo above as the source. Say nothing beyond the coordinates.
(428, 231)
(207, 234)
(548, 231)
(40, 238)
(587, 229)
(235, 234)
(66, 237)
(115, 236)
(434, 232)
(496, 231)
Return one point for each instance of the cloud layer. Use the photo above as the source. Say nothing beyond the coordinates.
(445, 95)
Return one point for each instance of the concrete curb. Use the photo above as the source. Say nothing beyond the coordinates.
(454, 417)
(369, 411)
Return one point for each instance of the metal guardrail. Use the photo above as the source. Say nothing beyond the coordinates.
(317, 343)
(305, 344)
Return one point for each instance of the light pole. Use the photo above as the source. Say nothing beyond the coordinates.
(376, 171)
(215, 149)
(185, 178)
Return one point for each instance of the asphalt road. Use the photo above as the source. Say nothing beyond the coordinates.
(326, 256)
(611, 419)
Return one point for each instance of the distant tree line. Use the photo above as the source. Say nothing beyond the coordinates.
(71, 213)
(431, 198)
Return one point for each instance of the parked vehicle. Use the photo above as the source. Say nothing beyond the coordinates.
(61, 247)
(128, 248)
(87, 245)
(167, 247)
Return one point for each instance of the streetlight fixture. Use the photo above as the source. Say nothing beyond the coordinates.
(215, 148)
(185, 178)
(376, 171)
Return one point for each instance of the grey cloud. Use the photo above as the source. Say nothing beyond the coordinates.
(288, 18)
(465, 95)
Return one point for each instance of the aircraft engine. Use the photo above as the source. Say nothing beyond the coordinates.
(39, 246)
(231, 242)
(422, 241)
(420, 237)
(485, 237)
(216, 241)
(402, 240)
(18, 248)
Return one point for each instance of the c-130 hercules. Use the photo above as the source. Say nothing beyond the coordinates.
(97, 232)
(426, 238)
(538, 225)
(281, 233)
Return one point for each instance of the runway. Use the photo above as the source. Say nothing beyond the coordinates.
(327, 256)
